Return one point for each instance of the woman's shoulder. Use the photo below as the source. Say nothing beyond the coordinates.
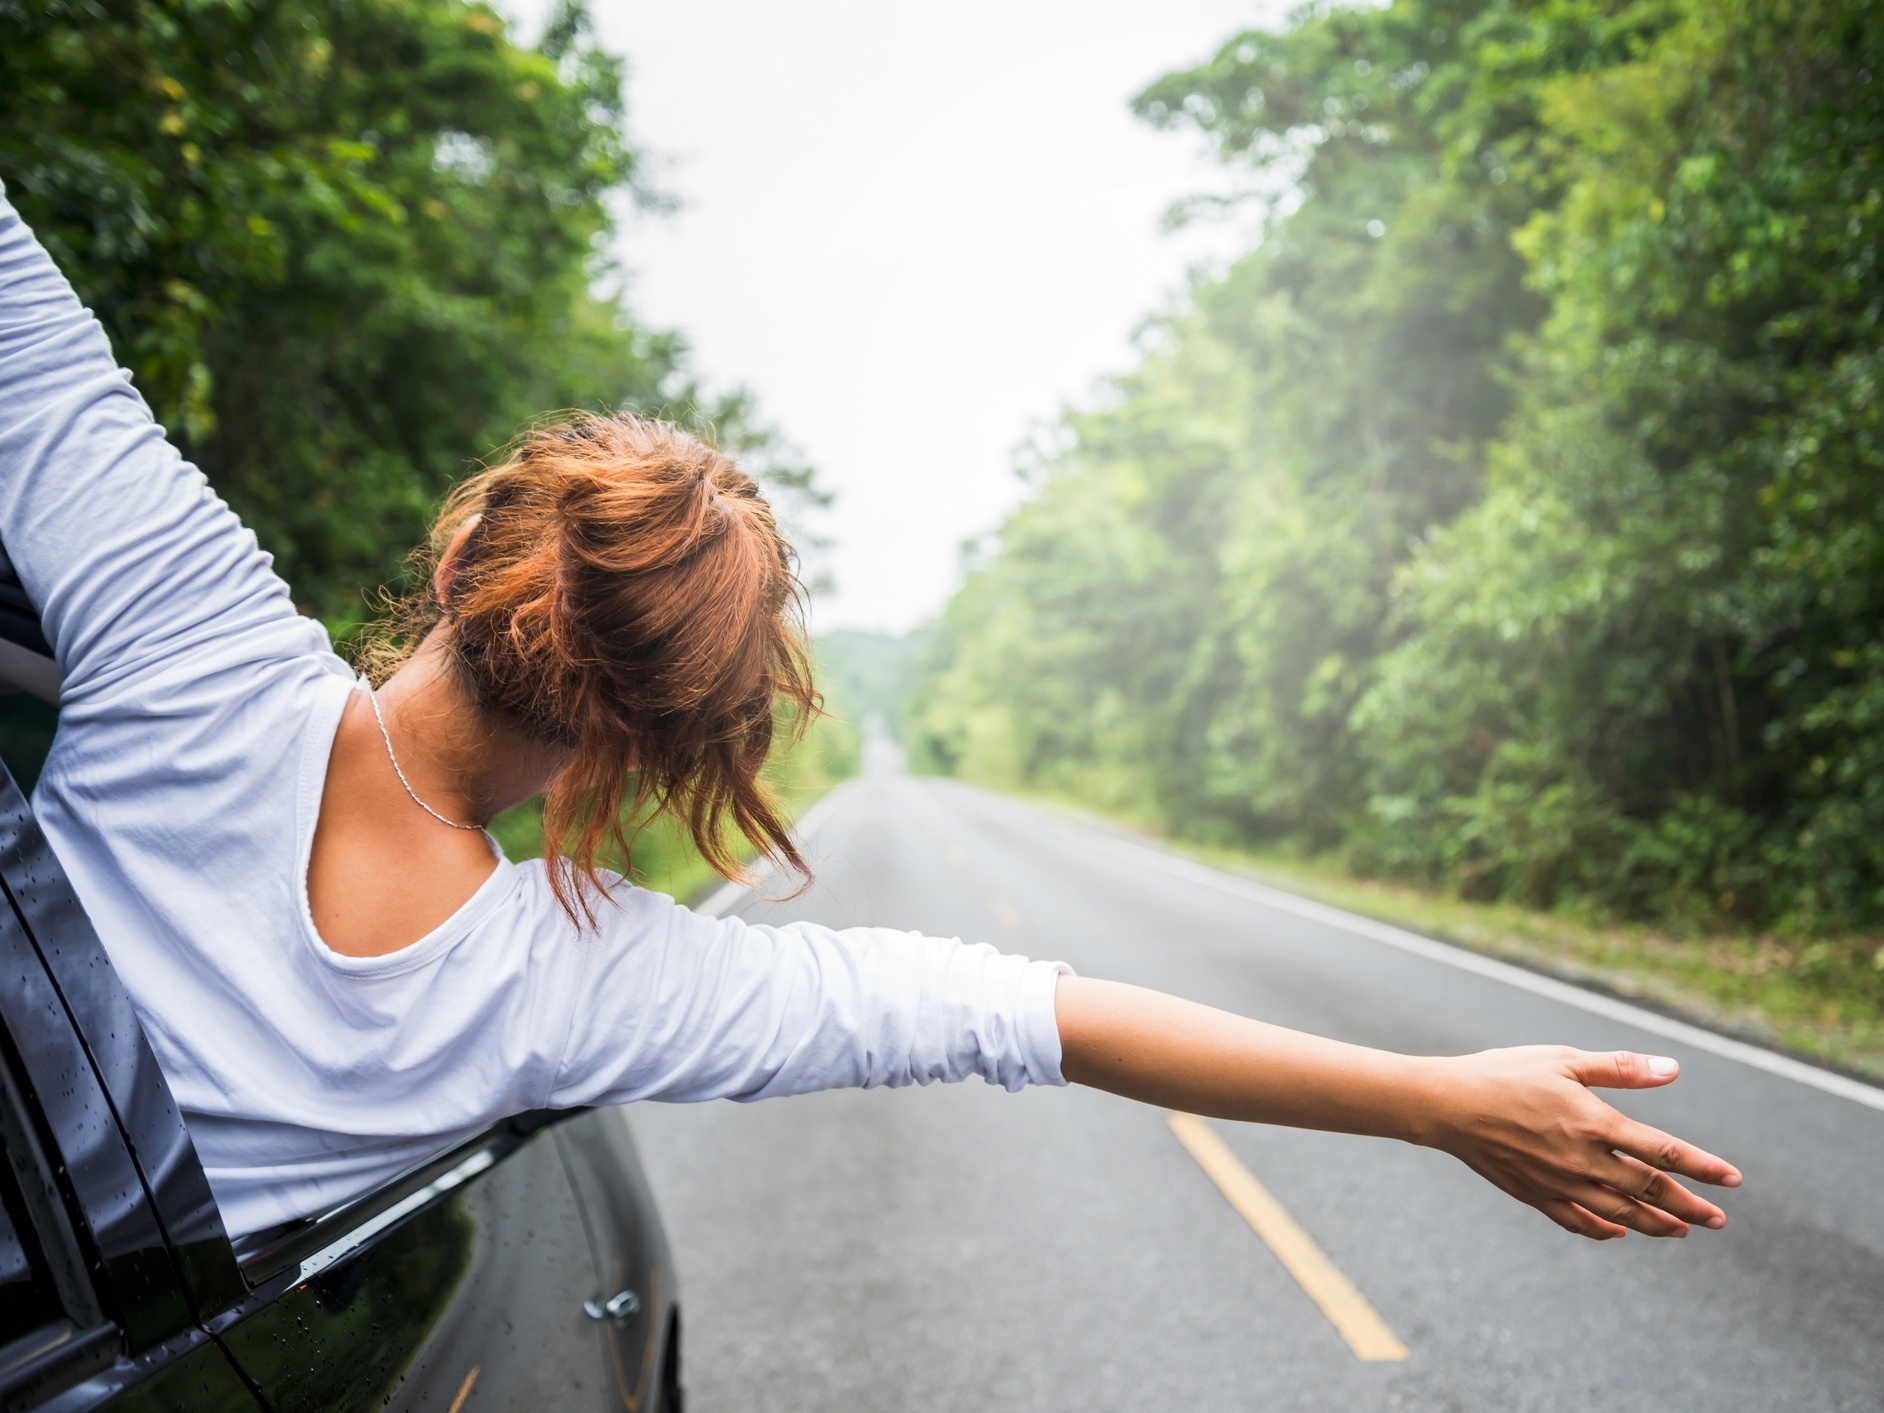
(621, 917)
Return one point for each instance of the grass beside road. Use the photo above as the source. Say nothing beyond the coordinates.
(1820, 998)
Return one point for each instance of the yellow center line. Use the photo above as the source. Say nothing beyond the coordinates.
(464, 1389)
(1346, 1308)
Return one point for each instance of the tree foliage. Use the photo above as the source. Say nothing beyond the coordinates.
(1508, 516)
(346, 246)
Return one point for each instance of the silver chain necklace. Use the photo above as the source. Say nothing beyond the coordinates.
(386, 736)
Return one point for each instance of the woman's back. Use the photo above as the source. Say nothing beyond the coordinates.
(183, 793)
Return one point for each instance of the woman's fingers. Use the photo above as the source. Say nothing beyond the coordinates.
(1589, 1168)
(1580, 1221)
(1625, 1069)
(1634, 1178)
(1671, 1155)
(1622, 1209)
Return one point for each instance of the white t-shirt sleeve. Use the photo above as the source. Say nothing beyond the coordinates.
(674, 1005)
(127, 554)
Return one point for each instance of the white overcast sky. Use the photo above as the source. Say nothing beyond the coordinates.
(915, 232)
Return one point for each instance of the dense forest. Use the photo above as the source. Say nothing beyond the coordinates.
(1509, 517)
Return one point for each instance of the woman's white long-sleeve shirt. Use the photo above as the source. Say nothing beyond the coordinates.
(196, 716)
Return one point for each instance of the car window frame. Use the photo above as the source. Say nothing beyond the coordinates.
(307, 1248)
(123, 1088)
(77, 1338)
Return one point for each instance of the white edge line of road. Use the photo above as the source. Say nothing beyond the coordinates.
(1443, 952)
(725, 899)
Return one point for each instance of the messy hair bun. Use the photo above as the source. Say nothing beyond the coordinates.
(626, 592)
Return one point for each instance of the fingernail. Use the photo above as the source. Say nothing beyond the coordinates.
(1716, 1223)
(1661, 1066)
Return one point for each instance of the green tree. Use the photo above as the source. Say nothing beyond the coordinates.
(1292, 431)
(1508, 515)
(1657, 639)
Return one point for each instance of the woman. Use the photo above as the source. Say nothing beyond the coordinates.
(341, 974)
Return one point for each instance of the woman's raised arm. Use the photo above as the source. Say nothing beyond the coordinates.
(127, 554)
(1524, 1119)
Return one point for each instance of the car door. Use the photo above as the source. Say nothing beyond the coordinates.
(95, 1308)
(641, 1332)
(460, 1286)
(59, 1347)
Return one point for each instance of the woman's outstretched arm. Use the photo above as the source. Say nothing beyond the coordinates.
(1524, 1119)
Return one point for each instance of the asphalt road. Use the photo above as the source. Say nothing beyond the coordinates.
(962, 1248)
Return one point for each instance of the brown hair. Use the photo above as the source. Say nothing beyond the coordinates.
(626, 593)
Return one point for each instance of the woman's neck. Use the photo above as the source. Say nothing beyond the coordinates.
(456, 757)
(384, 872)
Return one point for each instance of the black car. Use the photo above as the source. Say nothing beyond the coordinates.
(526, 1269)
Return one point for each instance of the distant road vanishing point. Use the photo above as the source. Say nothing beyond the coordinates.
(962, 1248)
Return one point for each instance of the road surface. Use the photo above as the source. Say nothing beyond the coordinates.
(958, 1247)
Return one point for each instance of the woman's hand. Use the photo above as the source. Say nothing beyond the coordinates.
(1525, 1120)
